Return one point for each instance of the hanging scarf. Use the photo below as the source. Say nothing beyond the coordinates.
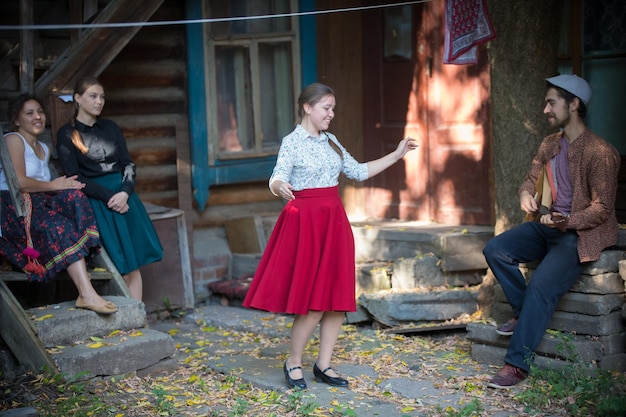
(32, 266)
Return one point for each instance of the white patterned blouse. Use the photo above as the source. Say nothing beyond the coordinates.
(306, 161)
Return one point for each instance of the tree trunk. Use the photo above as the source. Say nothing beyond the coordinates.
(521, 56)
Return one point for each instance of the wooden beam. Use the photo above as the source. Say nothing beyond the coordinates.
(27, 66)
(9, 173)
(19, 335)
(97, 47)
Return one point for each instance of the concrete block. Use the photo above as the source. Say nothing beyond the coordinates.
(615, 362)
(464, 278)
(607, 283)
(614, 343)
(608, 262)
(63, 324)
(591, 304)
(20, 412)
(244, 264)
(603, 325)
(622, 270)
(373, 277)
(584, 324)
(422, 271)
(119, 355)
(589, 349)
(494, 355)
(463, 251)
(573, 302)
(359, 316)
(392, 308)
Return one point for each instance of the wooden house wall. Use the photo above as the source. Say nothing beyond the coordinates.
(145, 87)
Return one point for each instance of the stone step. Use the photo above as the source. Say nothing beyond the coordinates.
(490, 348)
(590, 349)
(459, 247)
(574, 302)
(393, 308)
(571, 322)
(64, 324)
(123, 353)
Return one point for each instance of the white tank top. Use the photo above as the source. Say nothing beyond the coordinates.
(35, 168)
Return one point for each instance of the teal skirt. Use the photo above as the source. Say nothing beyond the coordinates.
(129, 238)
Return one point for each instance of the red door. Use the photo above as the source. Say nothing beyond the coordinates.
(445, 107)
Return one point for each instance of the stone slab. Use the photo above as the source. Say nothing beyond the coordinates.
(574, 302)
(20, 412)
(584, 324)
(606, 283)
(591, 304)
(63, 323)
(571, 322)
(608, 262)
(373, 277)
(359, 316)
(396, 307)
(615, 362)
(590, 349)
(243, 264)
(494, 355)
(420, 271)
(118, 355)
(463, 250)
(389, 240)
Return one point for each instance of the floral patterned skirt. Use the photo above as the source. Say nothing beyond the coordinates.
(62, 228)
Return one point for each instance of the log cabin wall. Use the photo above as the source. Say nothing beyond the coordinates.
(146, 92)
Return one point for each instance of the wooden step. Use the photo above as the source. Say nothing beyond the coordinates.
(16, 276)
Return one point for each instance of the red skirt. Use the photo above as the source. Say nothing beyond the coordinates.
(308, 263)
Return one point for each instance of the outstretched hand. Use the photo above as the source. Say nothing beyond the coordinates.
(407, 144)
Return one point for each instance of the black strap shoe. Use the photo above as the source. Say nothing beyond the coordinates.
(294, 383)
(334, 381)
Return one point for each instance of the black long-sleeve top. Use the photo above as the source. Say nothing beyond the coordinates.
(107, 154)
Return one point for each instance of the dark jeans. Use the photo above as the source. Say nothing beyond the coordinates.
(533, 304)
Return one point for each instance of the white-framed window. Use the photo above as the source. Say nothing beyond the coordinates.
(252, 73)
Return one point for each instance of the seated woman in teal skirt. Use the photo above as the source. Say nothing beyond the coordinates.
(58, 229)
(95, 150)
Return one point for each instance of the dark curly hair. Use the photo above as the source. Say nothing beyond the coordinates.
(15, 107)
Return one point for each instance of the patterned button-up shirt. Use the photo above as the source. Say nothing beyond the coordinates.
(306, 161)
(594, 166)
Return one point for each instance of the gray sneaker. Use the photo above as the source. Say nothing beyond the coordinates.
(507, 329)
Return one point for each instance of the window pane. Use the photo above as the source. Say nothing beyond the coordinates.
(604, 26)
(277, 115)
(234, 98)
(241, 8)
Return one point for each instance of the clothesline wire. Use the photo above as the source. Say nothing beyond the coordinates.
(207, 20)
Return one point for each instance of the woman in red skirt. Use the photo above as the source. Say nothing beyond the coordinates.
(308, 267)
